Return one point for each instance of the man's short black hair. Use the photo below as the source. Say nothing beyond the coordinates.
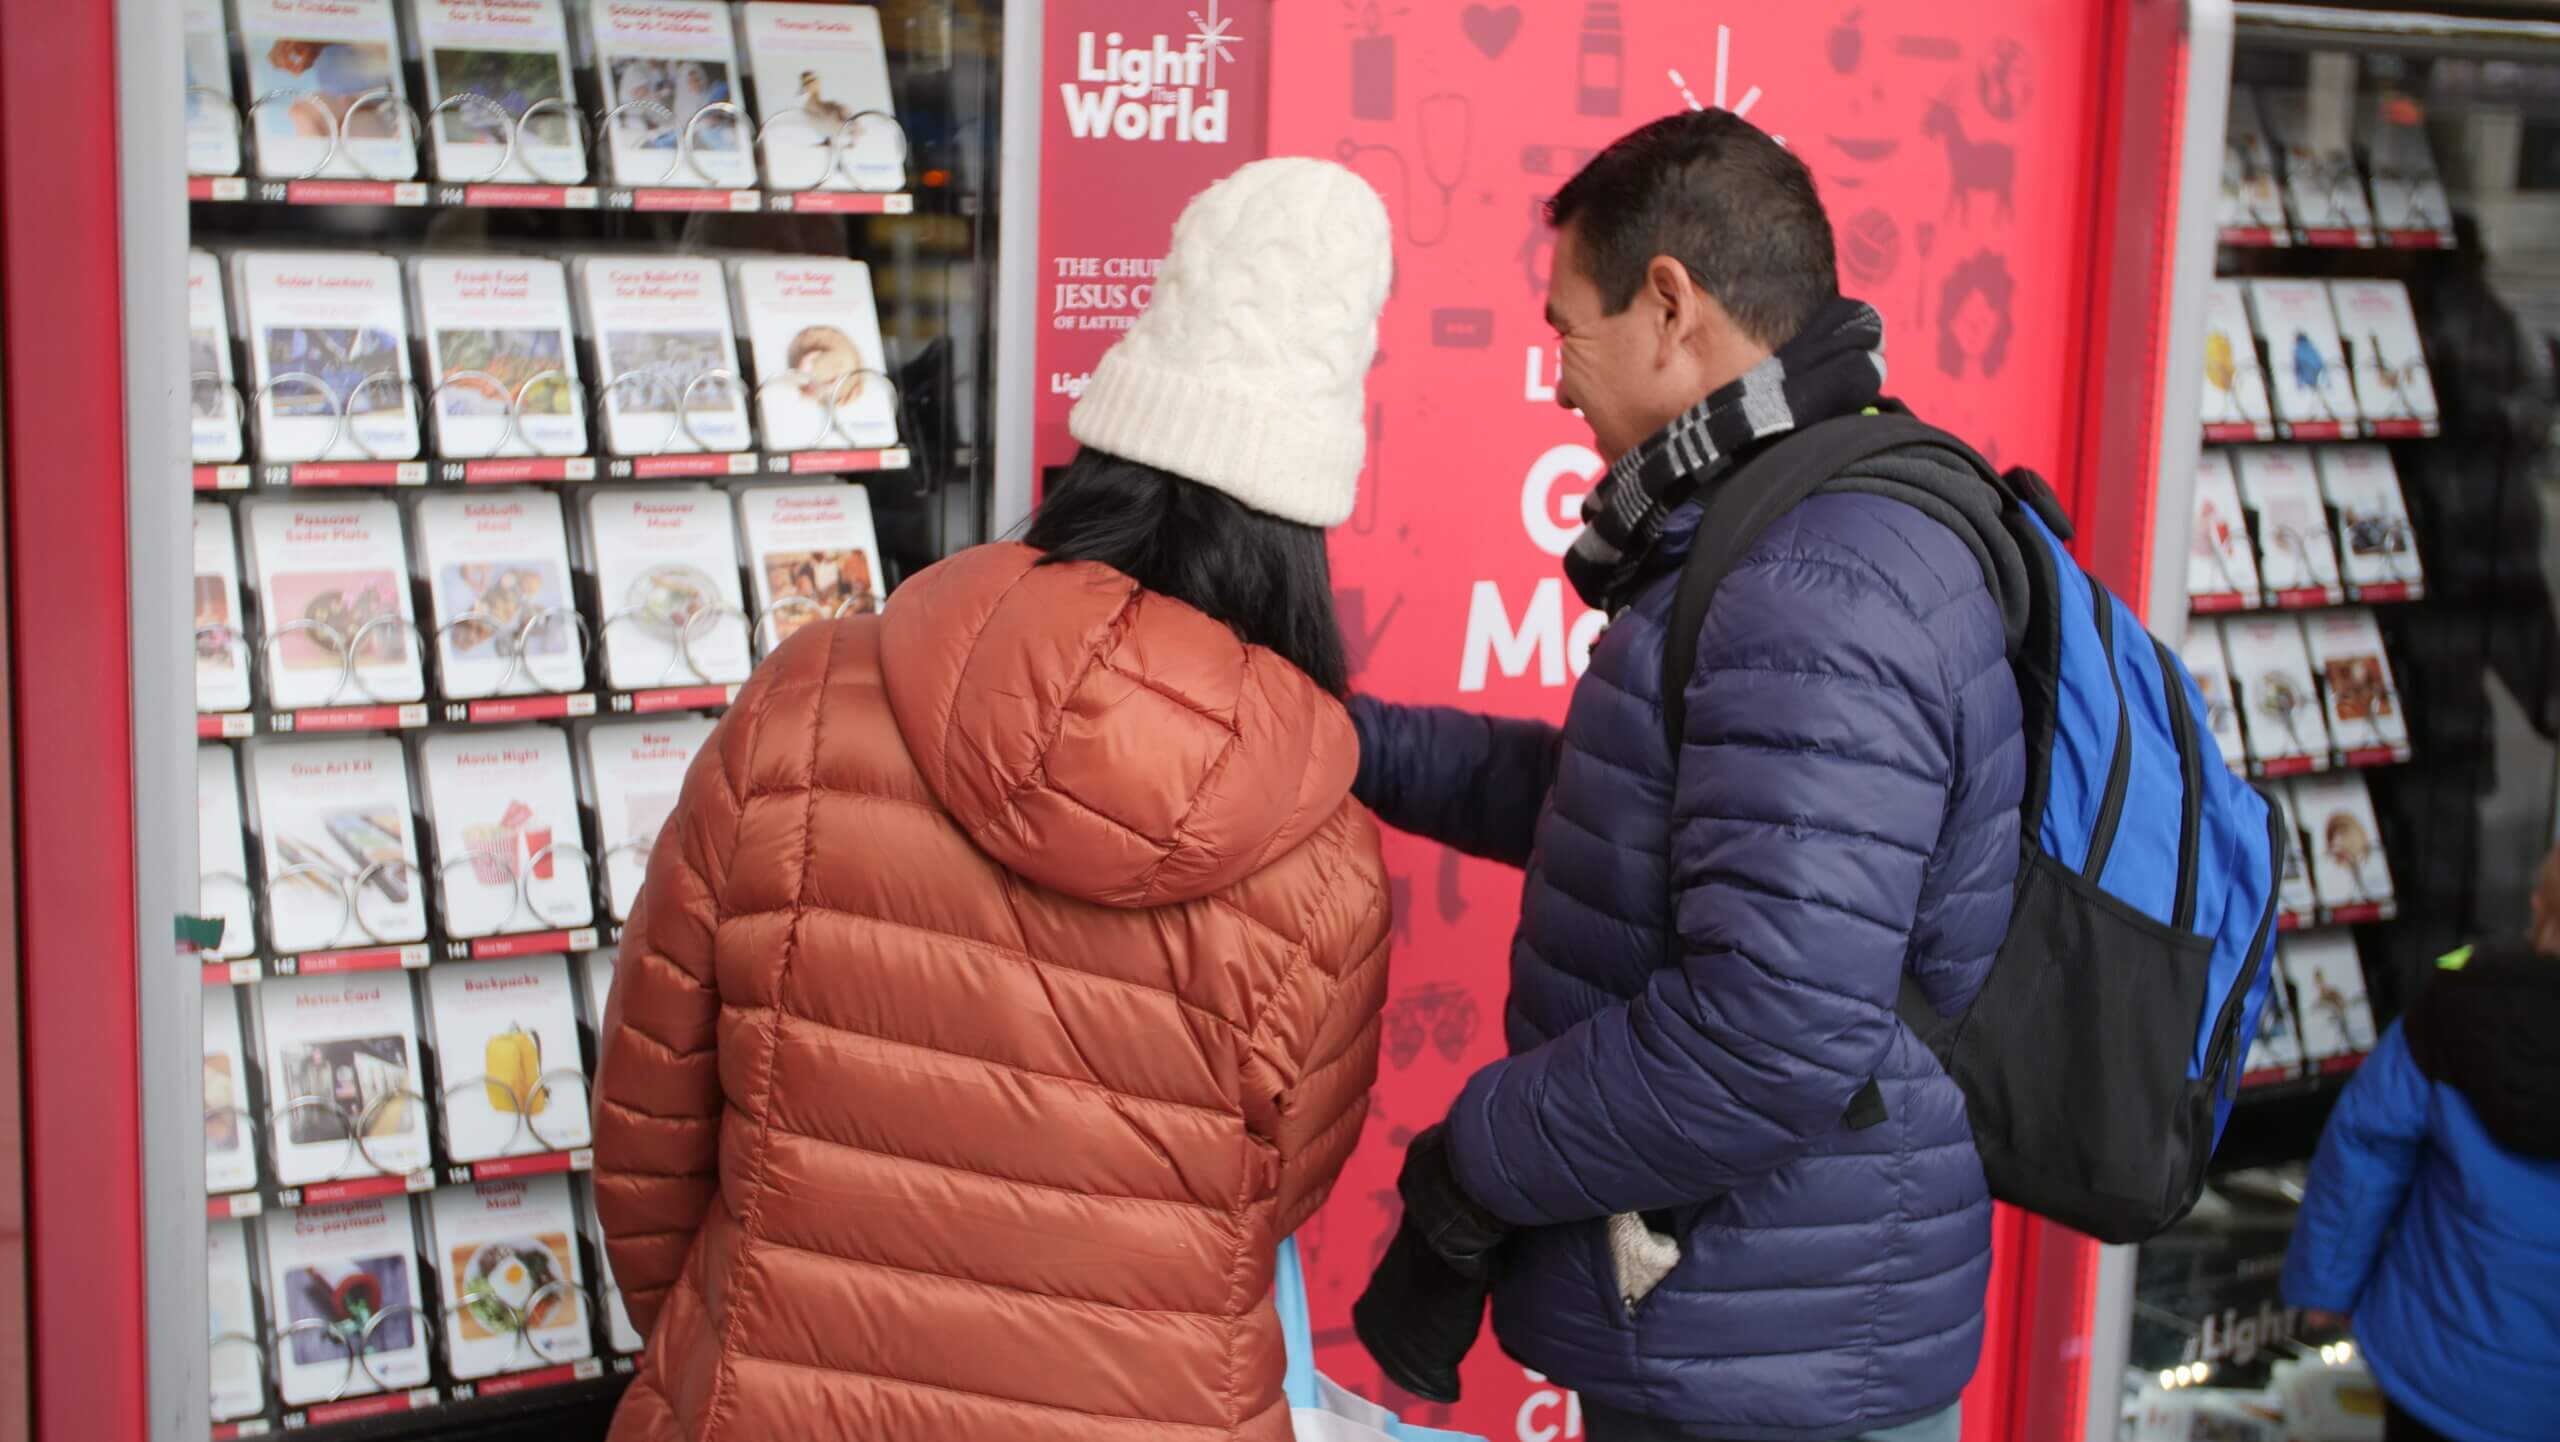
(1710, 190)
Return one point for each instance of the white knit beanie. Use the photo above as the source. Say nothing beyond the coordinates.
(1245, 372)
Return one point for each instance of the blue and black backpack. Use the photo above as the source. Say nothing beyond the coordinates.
(2101, 1057)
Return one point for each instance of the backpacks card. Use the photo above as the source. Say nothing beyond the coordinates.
(2100, 1059)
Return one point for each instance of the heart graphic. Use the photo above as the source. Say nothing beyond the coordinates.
(1492, 30)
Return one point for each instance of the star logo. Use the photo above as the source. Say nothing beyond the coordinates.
(1214, 37)
(1724, 70)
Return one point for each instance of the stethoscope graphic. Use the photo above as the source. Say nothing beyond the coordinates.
(1448, 129)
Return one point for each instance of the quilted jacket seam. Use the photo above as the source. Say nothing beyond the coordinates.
(1012, 954)
(1017, 1069)
(980, 1284)
(735, 1308)
(1039, 767)
(1209, 1209)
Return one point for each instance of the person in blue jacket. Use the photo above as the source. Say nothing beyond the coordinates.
(2432, 1213)
(1677, 1208)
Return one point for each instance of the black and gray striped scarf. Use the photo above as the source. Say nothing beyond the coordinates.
(1835, 366)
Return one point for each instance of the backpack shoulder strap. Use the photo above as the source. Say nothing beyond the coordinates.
(1751, 500)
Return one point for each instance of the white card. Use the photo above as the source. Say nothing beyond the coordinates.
(2212, 672)
(2328, 985)
(343, 1279)
(497, 329)
(497, 567)
(213, 120)
(2322, 187)
(222, 631)
(2222, 567)
(513, 54)
(507, 1254)
(222, 852)
(214, 405)
(2280, 707)
(333, 822)
(821, 374)
(822, 97)
(236, 1353)
(328, 337)
(666, 561)
(2379, 547)
(507, 1035)
(620, 1335)
(2393, 386)
(2347, 863)
(812, 555)
(2251, 198)
(2235, 387)
(596, 973)
(2293, 890)
(2296, 558)
(334, 70)
(662, 62)
(511, 856)
(2408, 188)
(2314, 395)
(333, 579)
(663, 337)
(2355, 675)
(638, 769)
(2277, 1047)
(230, 1128)
(345, 1096)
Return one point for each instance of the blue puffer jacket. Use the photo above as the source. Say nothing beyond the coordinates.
(1706, 972)
(2432, 1213)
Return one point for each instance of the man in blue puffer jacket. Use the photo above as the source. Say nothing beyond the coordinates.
(2432, 1213)
(1687, 1198)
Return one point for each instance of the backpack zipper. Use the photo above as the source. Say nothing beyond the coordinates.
(2228, 1022)
(2102, 839)
(2182, 730)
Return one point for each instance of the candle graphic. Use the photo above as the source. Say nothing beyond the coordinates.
(1600, 67)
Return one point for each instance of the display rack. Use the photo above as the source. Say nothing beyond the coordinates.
(2352, 198)
(537, 152)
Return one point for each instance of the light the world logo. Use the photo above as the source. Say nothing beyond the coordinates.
(1159, 91)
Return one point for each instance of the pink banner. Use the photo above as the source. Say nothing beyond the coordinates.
(1954, 152)
(1143, 104)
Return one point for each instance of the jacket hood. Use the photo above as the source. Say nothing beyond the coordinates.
(1104, 741)
(2490, 1028)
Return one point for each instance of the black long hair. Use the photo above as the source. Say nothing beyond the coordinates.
(1267, 579)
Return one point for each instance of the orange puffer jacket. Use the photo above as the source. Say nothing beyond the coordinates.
(1005, 987)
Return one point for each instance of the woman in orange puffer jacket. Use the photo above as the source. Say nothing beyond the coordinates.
(1006, 983)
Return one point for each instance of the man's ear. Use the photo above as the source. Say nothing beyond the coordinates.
(1680, 306)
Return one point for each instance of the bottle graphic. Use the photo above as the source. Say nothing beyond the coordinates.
(1373, 67)
(1600, 68)
(513, 1063)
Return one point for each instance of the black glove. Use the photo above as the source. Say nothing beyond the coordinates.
(1425, 1303)
(1463, 1234)
(1419, 1317)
